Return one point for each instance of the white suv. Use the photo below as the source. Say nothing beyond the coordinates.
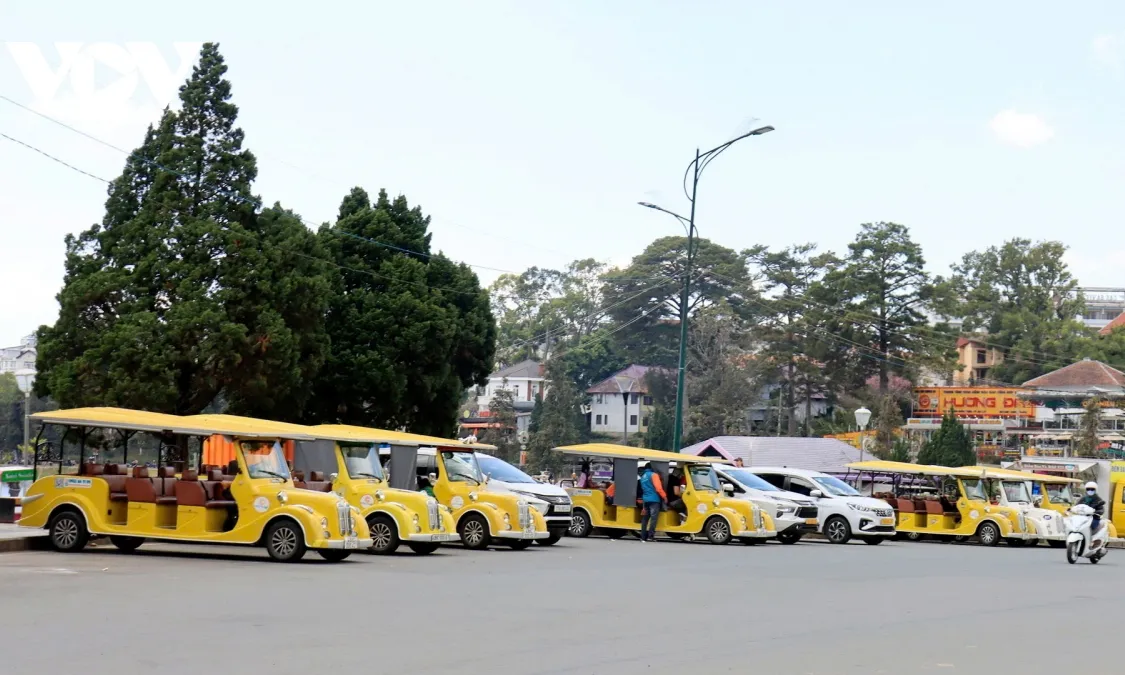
(793, 515)
(843, 513)
(550, 500)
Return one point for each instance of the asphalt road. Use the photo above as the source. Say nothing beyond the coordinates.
(584, 606)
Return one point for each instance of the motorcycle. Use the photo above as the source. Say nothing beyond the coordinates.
(1080, 542)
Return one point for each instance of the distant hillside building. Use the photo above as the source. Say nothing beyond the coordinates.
(621, 404)
(20, 357)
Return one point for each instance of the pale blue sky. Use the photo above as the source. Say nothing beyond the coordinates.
(528, 130)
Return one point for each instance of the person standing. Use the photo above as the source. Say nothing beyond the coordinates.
(653, 499)
(738, 462)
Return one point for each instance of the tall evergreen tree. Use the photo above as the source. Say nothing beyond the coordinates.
(561, 422)
(410, 330)
(185, 292)
(949, 446)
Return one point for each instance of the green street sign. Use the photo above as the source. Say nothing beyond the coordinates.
(16, 475)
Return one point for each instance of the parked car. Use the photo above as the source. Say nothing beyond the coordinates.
(554, 502)
(794, 515)
(842, 512)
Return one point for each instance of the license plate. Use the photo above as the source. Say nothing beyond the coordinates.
(565, 508)
(810, 521)
(351, 543)
(887, 521)
(446, 537)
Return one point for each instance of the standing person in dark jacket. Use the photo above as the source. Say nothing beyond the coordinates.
(653, 498)
(1095, 502)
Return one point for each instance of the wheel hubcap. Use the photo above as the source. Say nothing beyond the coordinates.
(987, 536)
(836, 531)
(719, 530)
(577, 525)
(381, 535)
(66, 533)
(284, 541)
(474, 532)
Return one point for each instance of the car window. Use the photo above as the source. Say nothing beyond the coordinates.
(776, 480)
(799, 486)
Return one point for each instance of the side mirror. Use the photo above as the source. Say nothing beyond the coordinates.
(816, 494)
(728, 488)
(332, 477)
(1038, 500)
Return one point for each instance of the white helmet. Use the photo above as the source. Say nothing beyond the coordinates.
(1091, 485)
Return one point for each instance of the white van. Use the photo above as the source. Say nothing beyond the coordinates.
(556, 506)
(794, 515)
(842, 512)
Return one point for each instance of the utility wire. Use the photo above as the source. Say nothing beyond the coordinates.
(249, 233)
(241, 198)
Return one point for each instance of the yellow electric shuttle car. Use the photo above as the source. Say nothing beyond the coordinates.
(943, 502)
(448, 469)
(708, 511)
(346, 462)
(350, 459)
(252, 502)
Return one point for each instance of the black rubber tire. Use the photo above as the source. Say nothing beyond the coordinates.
(1072, 553)
(873, 541)
(551, 540)
(384, 534)
(285, 541)
(751, 541)
(580, 525)
(126, 544)
(474, 532)
(422, 547)
(520, 544)
(789, 538)
(67, 531)
(837, 530)
(988, 534)
(1017, 543)
(333, 554)
(717, 530)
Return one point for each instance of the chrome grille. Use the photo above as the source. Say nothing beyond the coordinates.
(524, 515)
(884, 513)
(434, 515)
(344, 517)
(757, 518)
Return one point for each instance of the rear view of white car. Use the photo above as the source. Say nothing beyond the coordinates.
(794, 515)
(551, 500)
(842, 511)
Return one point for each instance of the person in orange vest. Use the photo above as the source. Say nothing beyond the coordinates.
(653, 498)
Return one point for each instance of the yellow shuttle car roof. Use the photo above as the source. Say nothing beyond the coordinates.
(347, 432)
(139, 420)
(879, 466)
(996, 472)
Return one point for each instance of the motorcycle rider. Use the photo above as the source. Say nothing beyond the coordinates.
(1095, 502)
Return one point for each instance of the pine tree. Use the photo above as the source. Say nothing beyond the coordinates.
(185, 292)
(410, 330)
(1091, 423)
(950, 445)
(562, 423)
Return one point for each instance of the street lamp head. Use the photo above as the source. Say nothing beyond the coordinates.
(761, 130)
(25, 380)
(862, 417)
(648, 205)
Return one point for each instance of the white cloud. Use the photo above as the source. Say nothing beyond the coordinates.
(1022, 130)
(1109, 50)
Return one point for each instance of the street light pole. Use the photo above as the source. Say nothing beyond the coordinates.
(25, 381)
(678, 424)
(702, 159)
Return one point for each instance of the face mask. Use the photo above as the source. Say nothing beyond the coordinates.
(1091, 492)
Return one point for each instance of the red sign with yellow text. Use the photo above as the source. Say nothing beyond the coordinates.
(971, 402)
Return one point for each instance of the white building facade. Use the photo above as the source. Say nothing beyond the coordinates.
(525, 380)
(20, 357)
(621, 403)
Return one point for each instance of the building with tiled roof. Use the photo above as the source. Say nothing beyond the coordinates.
(620, 404)
(1086, 375)
(1119, 322)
